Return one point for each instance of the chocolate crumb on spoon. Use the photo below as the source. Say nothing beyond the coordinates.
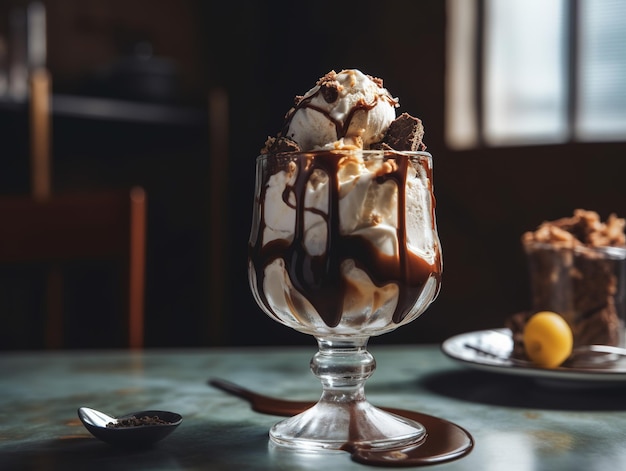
(134, 430)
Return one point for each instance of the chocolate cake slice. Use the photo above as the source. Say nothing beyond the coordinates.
(577, 267)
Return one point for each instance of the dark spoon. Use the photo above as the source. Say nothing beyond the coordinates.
(130, 436)
(444, 441)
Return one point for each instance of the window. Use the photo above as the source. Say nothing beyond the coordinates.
(601, 113)
(535, 71)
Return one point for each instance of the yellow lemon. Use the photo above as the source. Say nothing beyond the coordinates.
(548, 339)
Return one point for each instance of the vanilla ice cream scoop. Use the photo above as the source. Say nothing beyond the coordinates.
(343, 109)
(346, 111)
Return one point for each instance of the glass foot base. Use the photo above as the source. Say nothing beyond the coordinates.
(341, 426)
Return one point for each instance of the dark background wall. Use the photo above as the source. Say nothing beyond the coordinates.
(263, 54)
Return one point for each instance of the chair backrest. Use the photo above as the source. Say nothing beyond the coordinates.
(91, 225)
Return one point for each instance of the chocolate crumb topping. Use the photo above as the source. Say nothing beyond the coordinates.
(376, 80)
(330, 92)
(328, 78)
(331, 77)
(583, 228)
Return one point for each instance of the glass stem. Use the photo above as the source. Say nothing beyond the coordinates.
(343, 366)
(343, 418)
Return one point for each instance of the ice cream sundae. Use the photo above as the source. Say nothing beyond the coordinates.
(344, 237)
(343, 247)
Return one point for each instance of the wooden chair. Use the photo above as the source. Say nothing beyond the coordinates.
(53, 230)
(95, 225)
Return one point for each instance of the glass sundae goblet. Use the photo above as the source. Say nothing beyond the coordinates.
(344, 246)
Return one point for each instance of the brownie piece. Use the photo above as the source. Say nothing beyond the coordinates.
(404, 134)
(275, 145)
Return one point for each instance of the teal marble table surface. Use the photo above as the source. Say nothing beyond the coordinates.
(517, 424)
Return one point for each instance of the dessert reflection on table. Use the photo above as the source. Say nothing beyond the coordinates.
(516, 422)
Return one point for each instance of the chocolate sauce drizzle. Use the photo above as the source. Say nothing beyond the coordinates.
(341, 128)
(318, 278)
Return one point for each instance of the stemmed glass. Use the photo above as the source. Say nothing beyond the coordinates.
(344, 246)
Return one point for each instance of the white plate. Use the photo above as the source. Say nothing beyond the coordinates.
(463, 348)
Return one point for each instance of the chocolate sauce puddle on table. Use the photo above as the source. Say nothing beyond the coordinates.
(444, 441)
(318, 277)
